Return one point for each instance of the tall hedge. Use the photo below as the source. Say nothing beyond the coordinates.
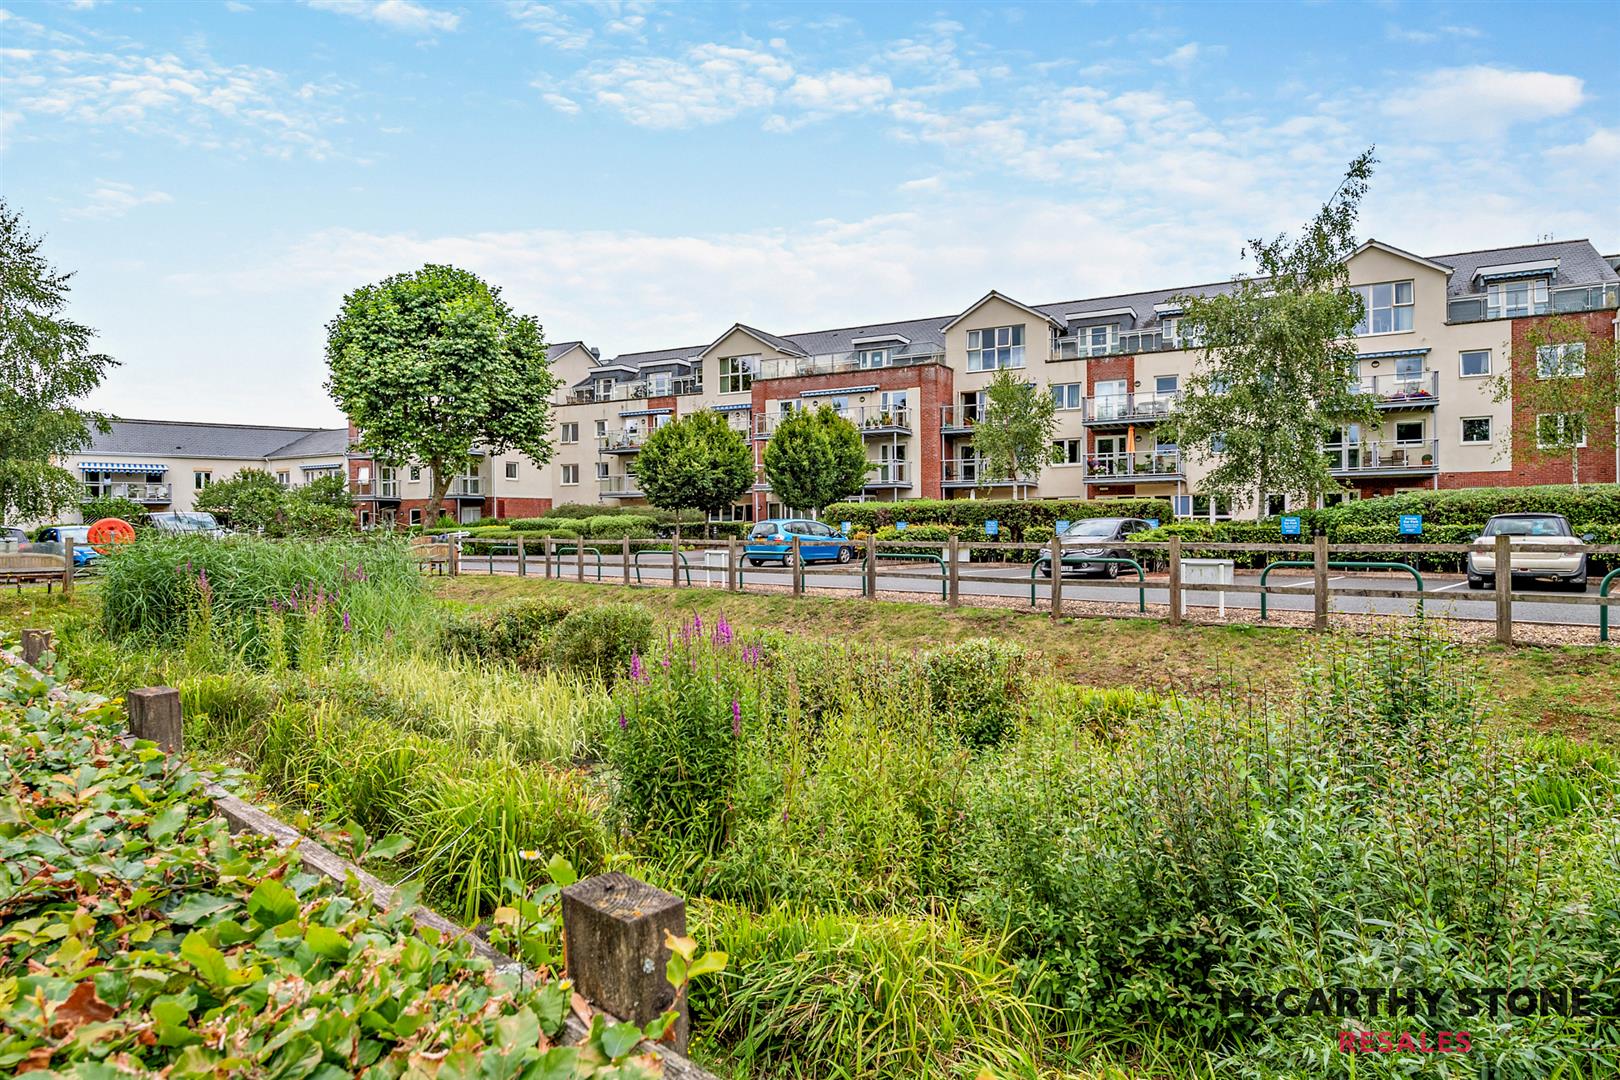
(1014, 515)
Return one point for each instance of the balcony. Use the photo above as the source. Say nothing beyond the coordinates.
(869, 419)
(621, 442)
(790, 367)
(1130, 343)
(1566, 301)
(956, 419)
(969, 473)
(1140, 465)
(1384, 458)
(388, 489)
(618, 487)
(1402, 391)
(632, 391)
(466, 487)
(1123, 409)
(889, 475)
(152, 494)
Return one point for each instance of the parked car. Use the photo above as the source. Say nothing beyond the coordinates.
(772, 541)
(11, 532)
(186, 523)
(1568, 568)
(1090, 539)
(49, 539)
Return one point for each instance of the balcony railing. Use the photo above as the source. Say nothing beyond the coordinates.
(1130, 343)
(1383, 457)
(388, 489)
(618, 487)
(789, 367)
(632, 391)
(1401, 391)
(1128, 408)
(141, 493)
(870, 419)
(466, 487)
(887, 474)
(956, 418)
(970, 472)
(621, 442)
(1139, 465)
(1565, 301)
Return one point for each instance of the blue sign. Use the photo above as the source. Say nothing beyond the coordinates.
(844, 526)
(899, 526)
(1153, 523)
(992, 527)
(1061, 527)
(1290, 525)
(1411, 524)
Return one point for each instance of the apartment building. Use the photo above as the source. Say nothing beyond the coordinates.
(1436, 329)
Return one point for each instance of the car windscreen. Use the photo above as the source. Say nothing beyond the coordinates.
(1096, 528)
(763, 530)
(1527, 526)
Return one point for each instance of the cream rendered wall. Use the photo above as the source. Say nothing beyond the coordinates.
(989, 313)
(738, 342)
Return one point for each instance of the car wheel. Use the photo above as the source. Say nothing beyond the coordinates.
(1044, 568)
(1110, 569)
(787, 559)
(1577, 583)
(845, 554)
(754, 562)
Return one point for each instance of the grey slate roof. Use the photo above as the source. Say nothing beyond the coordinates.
(917, 331)
(1578, 264)
(242, 442)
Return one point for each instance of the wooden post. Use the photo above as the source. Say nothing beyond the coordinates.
(579, 559)
(624, 570)
(733, 570)
(675, 555)
(545, 545)
(798, 568)
(1319, 574)
(1504, 589)
(613, 947)
(1175, 581)
(952, 581)
(523, 559)
(154, 714)
(1057, 578)
(871, 565)
(67, 566)
(35, 644)
(454, 557)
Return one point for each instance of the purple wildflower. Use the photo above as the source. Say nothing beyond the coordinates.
(736, 719)
(624, 721)
(637, 673)
(346, 626)
(697, 623)
(275, 605)
(722, 632)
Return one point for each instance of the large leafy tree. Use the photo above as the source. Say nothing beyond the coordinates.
(254, 501)
(815, 458)
(697, 462)
(1276, 376)
(1014, 436)
(46, 366)
(431, 363)
(1565, 380)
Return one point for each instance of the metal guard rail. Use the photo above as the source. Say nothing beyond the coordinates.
(1603, 608)
(636, 562)
(1335, 564)
(578, 552)
(1087, 560)
(935, 559)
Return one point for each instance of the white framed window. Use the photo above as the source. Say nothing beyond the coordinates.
(511, 470)
(872, 358)
(1070, 451)
(1474, 363)
(737, 373)
(1069, 395)
(570, 475)
(658, 384)
(1554, 429)
(1566, 361)
(1408, 369)
(1167, 384)
(998, 347)
(416, 474)
(201, 479)
(601, 428)
(604, 389)
(284, 478)
(1515, 299)
(1388, 308)
(568, 433)
(1476, 430)
(601, 470)
(1408, 432)
(416, 516)
(1096, 340)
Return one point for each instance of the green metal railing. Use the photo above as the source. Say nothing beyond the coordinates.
(578, 552)
(636, 561)
(1087, 560)
(1603, 609)
(1338, 565)
(935, 559)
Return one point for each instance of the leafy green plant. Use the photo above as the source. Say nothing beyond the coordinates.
(1014, 515)
(981, 688)
(601, 640)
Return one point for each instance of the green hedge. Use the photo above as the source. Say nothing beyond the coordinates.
(1592, 504)
(969, 515)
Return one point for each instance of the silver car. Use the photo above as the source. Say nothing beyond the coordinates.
(1542, 531)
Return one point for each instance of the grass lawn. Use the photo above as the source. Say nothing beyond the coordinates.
(1573, 689)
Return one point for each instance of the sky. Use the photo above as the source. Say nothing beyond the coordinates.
(642, 175)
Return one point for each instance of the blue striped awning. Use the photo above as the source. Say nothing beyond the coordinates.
(838, 390)
(121, 466)
(322, 468)
(1546, 272)
(1392, 352)
(739, 407)
(646, 412)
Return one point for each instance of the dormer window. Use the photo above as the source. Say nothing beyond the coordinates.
(1516, 299)
(1096, 340)
(1387, 308)
(872, 358)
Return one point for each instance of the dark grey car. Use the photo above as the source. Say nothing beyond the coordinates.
(1090, 539)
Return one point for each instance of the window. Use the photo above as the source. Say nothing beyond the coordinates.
(658, 384)
(284, 478)
(1111, 399)
(416, 517)
(1475, 363)
(604, 389)
(416, 474)
(1070, 451)
(1408, 432)
(511, 470)
(1276, 504)
(570, 474)
(1561, 361)
(1069, 395)
(1096, 340)
(873, 358)
(1476, 430)
(1408, 369)
(1388, 308)
(1557, 430)
(601, 470)
(568, 433)
(201, 479)
(1166, 384)
(737, 373)
(601, 428)
(1510, 299)
(1001, 347)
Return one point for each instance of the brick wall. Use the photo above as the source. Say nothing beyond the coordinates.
(1102, 369)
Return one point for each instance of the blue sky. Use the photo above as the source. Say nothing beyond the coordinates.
(642, 175)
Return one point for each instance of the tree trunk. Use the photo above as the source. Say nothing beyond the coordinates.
(1575, 467)
(441, 487)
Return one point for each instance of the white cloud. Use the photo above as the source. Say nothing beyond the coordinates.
(403, 15)
(1599, 150)
(922, 183)
(1480, 102)
(1412, 35)
(706, 85)
(112, 199)
(550, 25)
(1181, 57)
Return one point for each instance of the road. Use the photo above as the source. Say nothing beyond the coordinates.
(1445, 595)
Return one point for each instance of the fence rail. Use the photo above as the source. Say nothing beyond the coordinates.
(942, 563)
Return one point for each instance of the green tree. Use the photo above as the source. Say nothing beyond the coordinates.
(1014, 436)
(1566, 379)
(695, 463)
(254, 501)
(815, 458)
(46, 366)
(1277, 373)
(430, 363)
(111, 506)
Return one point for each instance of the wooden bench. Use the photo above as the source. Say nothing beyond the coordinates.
(431, 556)
(31, 567)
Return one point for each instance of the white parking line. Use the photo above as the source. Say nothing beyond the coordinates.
(1453, 585)
(1309, 582)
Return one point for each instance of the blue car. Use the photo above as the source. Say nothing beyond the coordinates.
(82, 551)
(772, 541)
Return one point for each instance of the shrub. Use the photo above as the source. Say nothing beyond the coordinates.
(93, 510)
(926, 537)
(969, 515)
(618, 526)
(981, 687)
(520, 634)
(600, 640)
